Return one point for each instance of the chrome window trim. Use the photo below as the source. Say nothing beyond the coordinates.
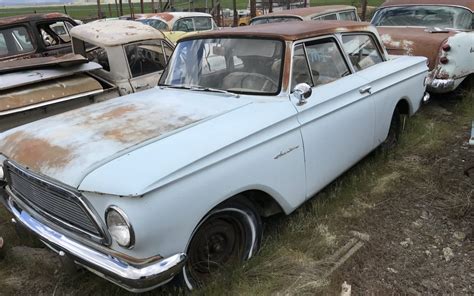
(329, 36)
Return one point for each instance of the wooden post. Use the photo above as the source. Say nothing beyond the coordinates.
(219, 14)
(236, 15)
(130, 6)
(270, 3)
(65, 11)
(160, 4)
(142, 7)
(121, 7)
(253, 8)
(288, 4)
(363, 3)
(153, 6)
(110, 10)
(99, 10)
(116, 8)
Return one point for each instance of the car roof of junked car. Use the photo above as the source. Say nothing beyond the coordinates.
(466, 3)
(116, 32)
(289, 31)
(31, 17)
(308, 11)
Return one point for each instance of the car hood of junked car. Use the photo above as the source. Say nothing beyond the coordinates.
(414, 41)
(69, 146)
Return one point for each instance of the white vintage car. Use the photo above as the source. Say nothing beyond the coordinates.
(246, 122)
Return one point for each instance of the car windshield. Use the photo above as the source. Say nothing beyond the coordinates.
(239, 65)
(279, 19)
(425, 16)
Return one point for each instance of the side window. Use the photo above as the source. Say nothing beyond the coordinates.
(300, 71)
(145, 58)
(14, 41)
(3, 46)
(55, 33)
(347, 16)
(203, 23)
(329, 17)
(23, 39)
(326, 61)
(99, 56)
(185, 25)
(362, 51)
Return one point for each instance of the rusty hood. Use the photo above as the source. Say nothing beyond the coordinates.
(68, 146)
(414, 42)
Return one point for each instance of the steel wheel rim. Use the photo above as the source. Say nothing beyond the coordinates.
(218, 242)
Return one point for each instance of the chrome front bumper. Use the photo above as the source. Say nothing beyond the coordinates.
(135, 278)
(441, 85)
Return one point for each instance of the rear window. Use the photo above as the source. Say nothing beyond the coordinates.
(15, 41)
(267, 20)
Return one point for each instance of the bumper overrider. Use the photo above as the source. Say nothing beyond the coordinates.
(135, 277)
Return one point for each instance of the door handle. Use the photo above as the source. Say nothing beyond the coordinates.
(365, 89)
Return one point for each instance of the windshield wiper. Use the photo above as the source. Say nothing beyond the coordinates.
(200, 88)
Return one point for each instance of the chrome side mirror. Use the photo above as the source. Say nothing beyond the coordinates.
(302, 91)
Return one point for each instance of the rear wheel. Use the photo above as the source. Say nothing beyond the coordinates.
(229, 234)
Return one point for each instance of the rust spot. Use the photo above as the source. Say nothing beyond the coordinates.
(132, 132)
(117, 112)
(165, 16)
(34, 153)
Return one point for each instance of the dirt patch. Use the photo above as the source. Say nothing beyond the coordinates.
(422, 230)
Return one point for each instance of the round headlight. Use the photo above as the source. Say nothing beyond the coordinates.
(119, 227)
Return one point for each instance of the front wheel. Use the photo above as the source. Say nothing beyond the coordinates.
(229, 234)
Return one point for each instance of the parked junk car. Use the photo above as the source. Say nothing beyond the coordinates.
(125, 57)
(317, 13)
(35, 35)
(441, 30)
(247, 122)
(132, 55)
(176, 25)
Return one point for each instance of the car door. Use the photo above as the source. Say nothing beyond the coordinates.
(367, 58)
(337, 120)
(146, 61)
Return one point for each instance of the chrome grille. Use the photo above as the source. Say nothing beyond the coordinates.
(55, 203)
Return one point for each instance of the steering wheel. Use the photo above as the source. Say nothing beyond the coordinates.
(267, 84)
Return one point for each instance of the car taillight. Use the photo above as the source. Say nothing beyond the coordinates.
(446, 47)
(444, 60)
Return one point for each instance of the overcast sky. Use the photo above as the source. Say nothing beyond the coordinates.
(25, 2)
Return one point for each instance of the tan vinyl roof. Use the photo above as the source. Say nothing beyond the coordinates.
(116, 32)
(309, 11)
(466, 3)
(287, 31)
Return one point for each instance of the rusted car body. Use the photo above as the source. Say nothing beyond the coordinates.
(132, 55)
(176, 25)
(246, 122)
(111, 59)
(35, 35)
(441, 30)
(315, 13)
